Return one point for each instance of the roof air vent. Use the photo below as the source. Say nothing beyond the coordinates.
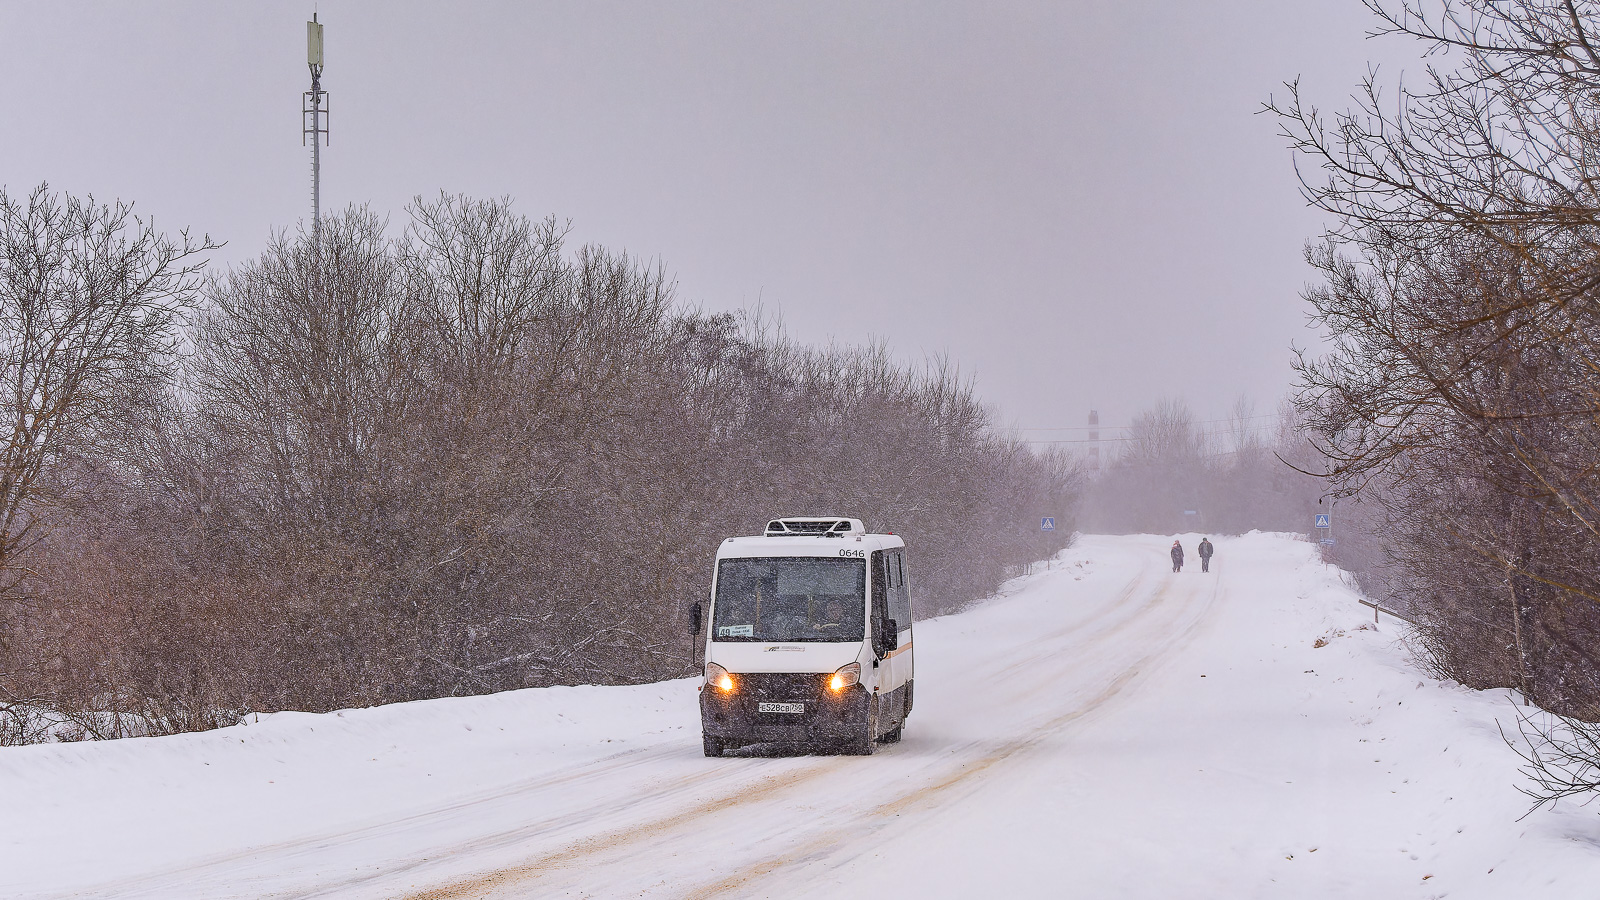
(815, 526)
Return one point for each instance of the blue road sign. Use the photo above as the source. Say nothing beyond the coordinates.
(1328, 541)
(1048, 523)
(1324, 521)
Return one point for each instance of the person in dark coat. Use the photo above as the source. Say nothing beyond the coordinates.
(1205, 554)
(1177, 557)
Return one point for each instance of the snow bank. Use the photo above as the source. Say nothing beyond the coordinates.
(89, 813)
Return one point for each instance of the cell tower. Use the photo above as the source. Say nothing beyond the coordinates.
(314, 121)
(1094, 440)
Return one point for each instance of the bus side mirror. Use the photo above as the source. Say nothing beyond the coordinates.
(696, 614)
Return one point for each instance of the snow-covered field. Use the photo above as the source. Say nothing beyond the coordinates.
(1104, 729)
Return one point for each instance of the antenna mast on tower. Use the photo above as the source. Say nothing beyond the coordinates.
(314, 121)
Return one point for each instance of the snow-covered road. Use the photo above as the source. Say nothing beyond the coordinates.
(1107, 728)
(991, 687)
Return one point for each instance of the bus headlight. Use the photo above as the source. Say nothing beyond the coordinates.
(845, 677)
(719, 678)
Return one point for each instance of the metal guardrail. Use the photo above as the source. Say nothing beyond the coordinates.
(1379, 609)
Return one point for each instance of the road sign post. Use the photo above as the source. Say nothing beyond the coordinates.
(1324, 523)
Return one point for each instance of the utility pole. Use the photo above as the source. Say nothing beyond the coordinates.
(314, 121)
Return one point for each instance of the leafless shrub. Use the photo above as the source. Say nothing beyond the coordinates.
(466, 458)
(1560, 755)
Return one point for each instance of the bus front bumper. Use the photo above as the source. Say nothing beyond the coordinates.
(760, 711)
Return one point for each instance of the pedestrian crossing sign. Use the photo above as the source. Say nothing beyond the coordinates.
(1047, 523)
(1324, 521)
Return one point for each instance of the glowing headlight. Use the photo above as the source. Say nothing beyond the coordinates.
(846, 676)
(718, 677)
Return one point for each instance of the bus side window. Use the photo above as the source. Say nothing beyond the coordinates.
(900, 597)
(880, 585)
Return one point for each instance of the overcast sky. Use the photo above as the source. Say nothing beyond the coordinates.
(1075, 200)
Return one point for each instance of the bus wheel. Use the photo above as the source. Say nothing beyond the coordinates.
(861, 745)
(864, 741)
(713, 745)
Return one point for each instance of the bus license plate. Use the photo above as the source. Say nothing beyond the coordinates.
(781, 707)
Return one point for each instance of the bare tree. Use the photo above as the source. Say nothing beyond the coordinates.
(89, 298)
(1466, 374)
(466, 459)
(1461, 288)
(89, 295)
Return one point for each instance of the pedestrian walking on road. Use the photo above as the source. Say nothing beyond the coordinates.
(1205, 554)
(1177, 557)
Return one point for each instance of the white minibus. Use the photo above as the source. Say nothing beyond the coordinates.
(809, 644)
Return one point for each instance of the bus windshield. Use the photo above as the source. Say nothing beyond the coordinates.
(790, 598)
